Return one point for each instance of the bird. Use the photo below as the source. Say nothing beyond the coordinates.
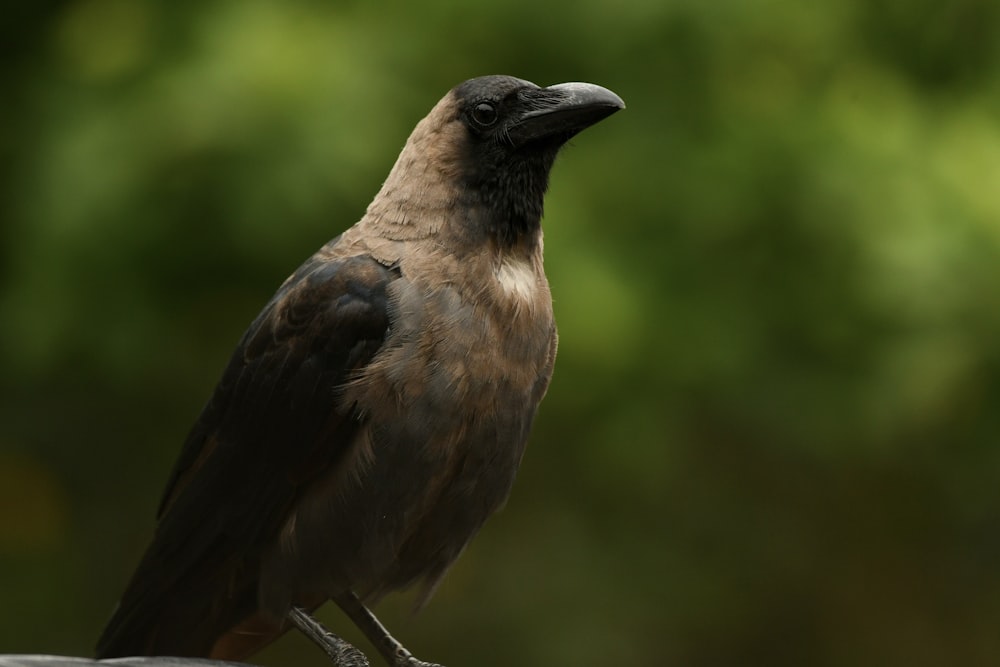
(375, 413)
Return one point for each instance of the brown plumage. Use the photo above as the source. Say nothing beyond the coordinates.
(375, 413)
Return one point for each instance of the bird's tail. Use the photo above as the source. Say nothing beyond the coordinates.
(184, 616)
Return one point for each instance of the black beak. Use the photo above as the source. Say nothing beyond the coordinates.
(558, 112)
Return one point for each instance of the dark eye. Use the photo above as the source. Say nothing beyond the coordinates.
(484, 114)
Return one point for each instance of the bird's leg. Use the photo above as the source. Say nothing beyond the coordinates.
(393, 652)
(340, 651)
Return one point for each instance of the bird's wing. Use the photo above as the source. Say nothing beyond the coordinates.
(273, 424)
(278, 396)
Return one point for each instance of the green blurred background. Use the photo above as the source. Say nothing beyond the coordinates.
(772, 434)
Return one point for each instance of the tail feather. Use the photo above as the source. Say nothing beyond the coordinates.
(177, 616)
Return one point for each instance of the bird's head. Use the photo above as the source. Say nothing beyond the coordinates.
(492, 140)
(513, 130)
(505, 116)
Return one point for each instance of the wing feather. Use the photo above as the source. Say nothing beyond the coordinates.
(273, 424)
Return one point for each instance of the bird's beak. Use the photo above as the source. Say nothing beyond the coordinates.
(560, 111)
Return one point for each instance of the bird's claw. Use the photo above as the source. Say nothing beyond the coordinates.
(404, 658)
(351, 657)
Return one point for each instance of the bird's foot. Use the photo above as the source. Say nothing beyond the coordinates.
(348, 656)
(403, 658)
(341, 652)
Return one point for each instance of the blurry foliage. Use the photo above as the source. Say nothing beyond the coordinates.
(772, 434)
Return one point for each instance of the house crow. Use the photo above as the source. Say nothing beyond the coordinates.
(375, 412)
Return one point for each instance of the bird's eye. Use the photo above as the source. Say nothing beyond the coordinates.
(485, 114)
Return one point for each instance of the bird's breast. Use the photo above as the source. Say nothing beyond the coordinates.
(445, 410)
(518, 281)
(466, 354)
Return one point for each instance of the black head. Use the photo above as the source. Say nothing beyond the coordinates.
(514, 131)
(517, 113)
